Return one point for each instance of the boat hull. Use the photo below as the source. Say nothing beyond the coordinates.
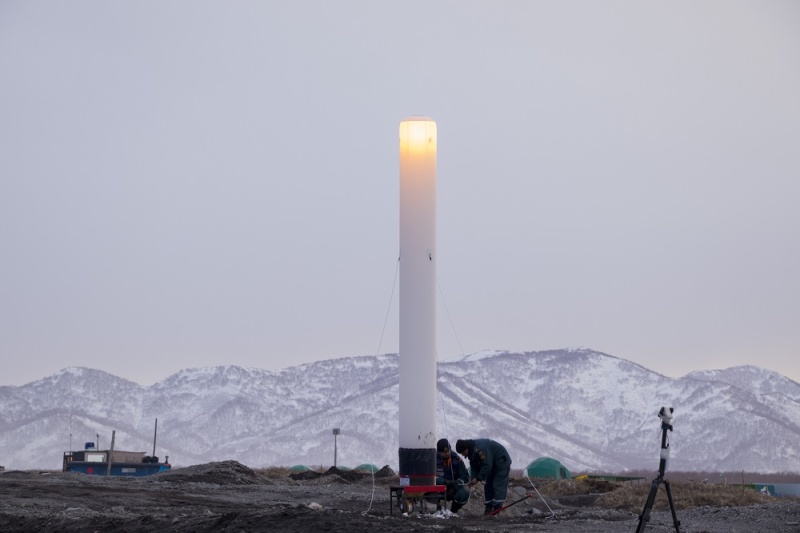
(117, 469)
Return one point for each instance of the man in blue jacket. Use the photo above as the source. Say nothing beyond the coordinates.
(450, 471)
(490, 463)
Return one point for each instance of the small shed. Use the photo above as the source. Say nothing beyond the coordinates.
(547, 467)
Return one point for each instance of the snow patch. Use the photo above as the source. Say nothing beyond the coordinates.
(478, 356)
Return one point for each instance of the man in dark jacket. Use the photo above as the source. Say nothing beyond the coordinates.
(450, 471)
(489, 462)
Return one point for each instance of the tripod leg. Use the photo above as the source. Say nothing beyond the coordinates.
(645, 516)
(672, 508)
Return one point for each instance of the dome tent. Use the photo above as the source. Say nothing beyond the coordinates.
(299, 468)
(548, 468)
(366, 467)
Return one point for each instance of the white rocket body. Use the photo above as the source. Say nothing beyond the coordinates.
(418, 300)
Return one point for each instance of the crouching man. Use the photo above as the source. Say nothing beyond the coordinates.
(450, 471)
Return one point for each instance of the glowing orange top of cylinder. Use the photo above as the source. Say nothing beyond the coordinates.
(418, 135)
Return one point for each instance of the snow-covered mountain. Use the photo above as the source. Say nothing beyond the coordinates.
(592, 411)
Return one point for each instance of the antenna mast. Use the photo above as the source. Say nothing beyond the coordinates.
(155, 433)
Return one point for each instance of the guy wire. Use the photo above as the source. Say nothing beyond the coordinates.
(391, 296)
(441, 295)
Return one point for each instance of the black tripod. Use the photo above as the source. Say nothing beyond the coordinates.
(666, 417)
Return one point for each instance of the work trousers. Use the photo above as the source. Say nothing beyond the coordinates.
(496, 486)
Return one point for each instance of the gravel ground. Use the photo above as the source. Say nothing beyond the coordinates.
(229, 497)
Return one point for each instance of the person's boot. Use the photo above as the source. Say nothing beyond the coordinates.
(488, 509)
(455, 507)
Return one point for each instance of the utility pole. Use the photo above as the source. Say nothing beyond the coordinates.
(110, 453)
(155, 434)
(335, 434)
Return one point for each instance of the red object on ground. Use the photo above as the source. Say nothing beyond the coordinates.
(493, 513)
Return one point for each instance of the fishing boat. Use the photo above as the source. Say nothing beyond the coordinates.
(94, 462)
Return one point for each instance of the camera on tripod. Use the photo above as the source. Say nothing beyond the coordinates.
(665, 414)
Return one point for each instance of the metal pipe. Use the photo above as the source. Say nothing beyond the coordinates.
(155, 433)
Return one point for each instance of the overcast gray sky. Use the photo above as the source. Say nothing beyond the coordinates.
(190, 184)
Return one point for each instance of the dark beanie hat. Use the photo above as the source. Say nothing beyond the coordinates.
(461, 445)
(442, 445)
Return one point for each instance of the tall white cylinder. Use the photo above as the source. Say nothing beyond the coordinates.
(418, 301)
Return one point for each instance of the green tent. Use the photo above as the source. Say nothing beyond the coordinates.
(299, 468)
(366, 467)
(548, 468)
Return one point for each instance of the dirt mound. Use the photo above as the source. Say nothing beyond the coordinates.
(221, 473)
(340, 476)
(327, 480)
(385, 472)
(347, 475)
(305, 475)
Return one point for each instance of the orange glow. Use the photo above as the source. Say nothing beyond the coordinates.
(418, 135)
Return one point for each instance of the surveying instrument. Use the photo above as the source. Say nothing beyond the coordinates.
(665, 414)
